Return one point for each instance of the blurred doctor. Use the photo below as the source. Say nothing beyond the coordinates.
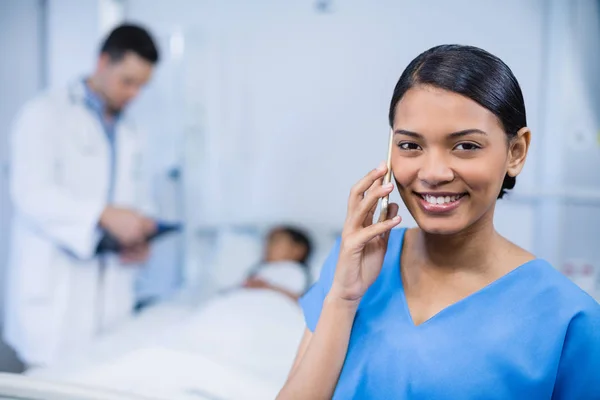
(77, 172)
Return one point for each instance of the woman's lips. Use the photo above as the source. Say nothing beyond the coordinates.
(440, 203)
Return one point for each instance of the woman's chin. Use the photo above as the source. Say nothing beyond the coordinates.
(441, 226)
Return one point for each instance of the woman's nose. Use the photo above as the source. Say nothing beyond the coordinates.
(435, 170)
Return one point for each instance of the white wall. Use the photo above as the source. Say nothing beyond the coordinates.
(577, 136)
(75, 30)
(21, 77)
(73, 35)
(294, 102)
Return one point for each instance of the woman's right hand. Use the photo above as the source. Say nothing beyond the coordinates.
(364, 243)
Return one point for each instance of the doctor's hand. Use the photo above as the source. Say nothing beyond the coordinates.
(135, 254)
(364, 243)
(128, 226)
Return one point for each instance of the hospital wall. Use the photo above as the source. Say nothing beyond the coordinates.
(74, 30)
(579, 141)
(22, 75)
(283, 107)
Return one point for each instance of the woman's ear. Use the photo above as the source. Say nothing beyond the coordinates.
(517, 151)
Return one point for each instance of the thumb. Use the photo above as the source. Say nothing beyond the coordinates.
(393, 209)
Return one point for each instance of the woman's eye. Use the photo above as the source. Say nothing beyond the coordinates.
(408, 146)
(467, 146)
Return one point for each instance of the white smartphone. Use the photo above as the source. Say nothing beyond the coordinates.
(385, 201)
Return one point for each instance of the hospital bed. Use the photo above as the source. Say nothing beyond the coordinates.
(207, 342)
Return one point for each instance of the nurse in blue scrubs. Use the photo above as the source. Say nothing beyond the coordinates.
(451, 309)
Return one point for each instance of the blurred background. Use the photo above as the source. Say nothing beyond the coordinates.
(265, 112)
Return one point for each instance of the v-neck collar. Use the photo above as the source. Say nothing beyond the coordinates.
(397, 276)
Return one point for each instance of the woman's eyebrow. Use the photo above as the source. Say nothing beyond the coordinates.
(408, 133)
(464, 132)
(467, 132)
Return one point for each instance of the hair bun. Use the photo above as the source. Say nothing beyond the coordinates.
(508, 183)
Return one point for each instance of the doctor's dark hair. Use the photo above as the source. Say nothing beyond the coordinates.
(473, 73)
(130, 38)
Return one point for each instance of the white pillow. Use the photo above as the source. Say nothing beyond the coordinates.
(288, 275)
(237, 251)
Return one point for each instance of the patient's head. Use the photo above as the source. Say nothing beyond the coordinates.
(286, 243)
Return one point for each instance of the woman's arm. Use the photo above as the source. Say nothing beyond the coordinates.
(306, 338)
(361, 254)
(321, 355)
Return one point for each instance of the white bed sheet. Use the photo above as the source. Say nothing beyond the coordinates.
(168, 374)
(246, 338)
(145, 330)
(254, 330)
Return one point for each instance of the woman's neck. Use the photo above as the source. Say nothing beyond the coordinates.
(472, 249)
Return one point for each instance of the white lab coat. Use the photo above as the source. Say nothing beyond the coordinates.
(59, 296)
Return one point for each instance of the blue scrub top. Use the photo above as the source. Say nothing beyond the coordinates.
(532, 334)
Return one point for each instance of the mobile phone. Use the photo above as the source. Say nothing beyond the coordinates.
(385, 201)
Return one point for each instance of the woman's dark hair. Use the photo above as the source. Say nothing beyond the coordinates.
(135, 39)
(474, 73)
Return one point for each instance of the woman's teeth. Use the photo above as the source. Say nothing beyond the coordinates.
(441, 200)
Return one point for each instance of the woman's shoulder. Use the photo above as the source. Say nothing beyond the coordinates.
(547, 282)
(544, 284)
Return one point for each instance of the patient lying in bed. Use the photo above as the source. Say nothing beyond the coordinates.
(284, 267)
(257, 325)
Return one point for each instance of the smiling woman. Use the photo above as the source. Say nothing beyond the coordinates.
(450, 309)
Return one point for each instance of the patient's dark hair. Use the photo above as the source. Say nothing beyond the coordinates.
(299, 237)
(474, 73)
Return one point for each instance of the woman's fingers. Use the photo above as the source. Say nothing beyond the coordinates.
(360, 237)
(380, 228)
(358, 190)
(372, 191)
(363, 198)
(362, 215)
(370, 215)
(393, 209)
(371, 199)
